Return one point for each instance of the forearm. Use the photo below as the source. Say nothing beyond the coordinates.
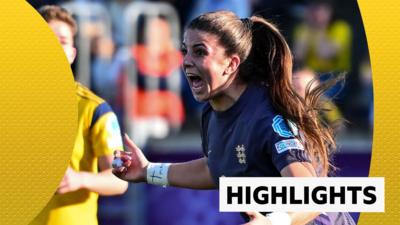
(300, 169)
(193, 174)
(103, 183)
(132, 166)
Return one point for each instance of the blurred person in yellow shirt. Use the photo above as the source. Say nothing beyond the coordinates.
(321, 42)
(75, 200)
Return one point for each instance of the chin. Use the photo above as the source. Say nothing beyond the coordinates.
(200, 98)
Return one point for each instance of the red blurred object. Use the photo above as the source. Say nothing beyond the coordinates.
(156, 65)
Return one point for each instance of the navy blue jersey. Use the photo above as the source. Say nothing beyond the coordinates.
(249, 139)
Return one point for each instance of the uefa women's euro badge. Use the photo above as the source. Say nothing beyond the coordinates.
(280, 127)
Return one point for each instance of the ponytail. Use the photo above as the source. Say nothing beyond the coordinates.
(270, 63)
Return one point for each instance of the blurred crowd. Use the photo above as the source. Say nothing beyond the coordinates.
(129, 54)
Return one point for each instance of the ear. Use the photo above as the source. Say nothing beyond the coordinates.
(71, 55)
(233, 64)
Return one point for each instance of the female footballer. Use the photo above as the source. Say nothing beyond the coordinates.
(254, 123)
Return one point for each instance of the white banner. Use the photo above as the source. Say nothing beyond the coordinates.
(302, 194)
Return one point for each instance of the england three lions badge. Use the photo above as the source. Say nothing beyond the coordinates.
(241, 154)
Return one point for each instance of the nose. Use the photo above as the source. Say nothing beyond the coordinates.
(187, 61)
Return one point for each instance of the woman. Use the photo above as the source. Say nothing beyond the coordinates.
(242, 67)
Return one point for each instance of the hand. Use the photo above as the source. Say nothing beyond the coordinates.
(71, 181)
(134, 163)
(257, 218)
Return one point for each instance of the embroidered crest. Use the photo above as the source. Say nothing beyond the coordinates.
(240, 153)
(280, 127)
(284, 145)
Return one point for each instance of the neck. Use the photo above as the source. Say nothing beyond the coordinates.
(228, 97)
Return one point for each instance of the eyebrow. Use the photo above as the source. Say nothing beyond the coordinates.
(195, 45)
(199, 45)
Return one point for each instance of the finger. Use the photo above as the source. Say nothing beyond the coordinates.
(126, 162)
(251, 214)
(122, 155)
(62, 190)
(62, 183)
(118, 153)
(134, 149)
(69, 172)
(119, 172)
(116, 172)
(122, 169)
(126, 158)
(58, 191)
(130, 144)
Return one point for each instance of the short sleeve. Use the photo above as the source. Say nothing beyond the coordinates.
(282, 142)
(105, 133)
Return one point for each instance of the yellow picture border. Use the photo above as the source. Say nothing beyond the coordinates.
(36, 144)
(382, 26)
(38, 113)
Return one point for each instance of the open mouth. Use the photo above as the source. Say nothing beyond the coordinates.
(195, 81)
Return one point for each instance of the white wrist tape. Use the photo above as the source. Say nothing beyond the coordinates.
(279, 218)
(157, 174)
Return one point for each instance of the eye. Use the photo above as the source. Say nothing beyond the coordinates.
(200, 52)
(183, 50)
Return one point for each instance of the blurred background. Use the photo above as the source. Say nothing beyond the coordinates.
(129, 54)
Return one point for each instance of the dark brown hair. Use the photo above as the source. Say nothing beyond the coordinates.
(53, 12)
(267, 60)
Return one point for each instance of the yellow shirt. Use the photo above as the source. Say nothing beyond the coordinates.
(98, 135)
(338, 33)
(332, 114)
